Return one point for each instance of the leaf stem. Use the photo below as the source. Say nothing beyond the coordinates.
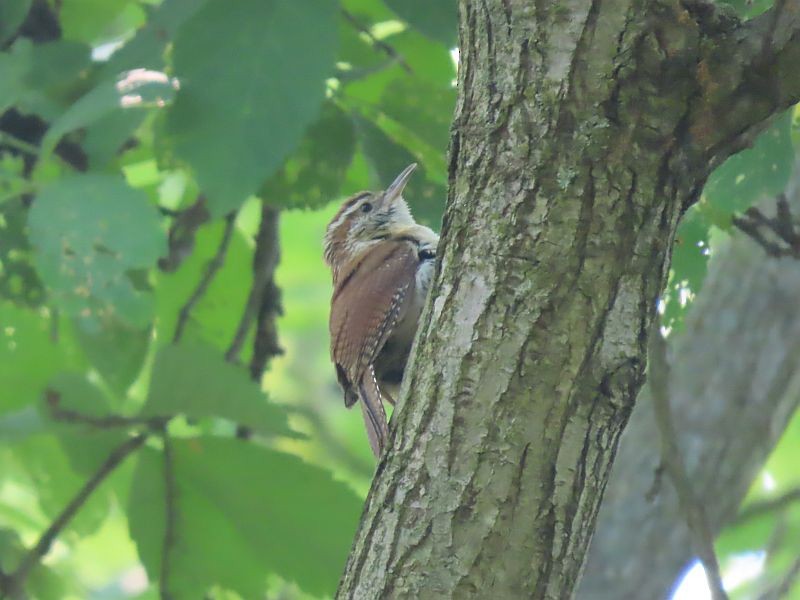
(12, 585)
(214, 265)
(14, 142)
(65, 415)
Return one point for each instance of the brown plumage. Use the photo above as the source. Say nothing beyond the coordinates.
(382, 263)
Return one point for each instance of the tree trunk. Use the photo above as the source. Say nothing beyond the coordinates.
(735, 385)
(582, 131)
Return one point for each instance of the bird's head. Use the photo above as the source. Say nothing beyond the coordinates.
(365, 219)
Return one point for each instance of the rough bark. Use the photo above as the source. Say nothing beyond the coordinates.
(582, 130)
(735, 384)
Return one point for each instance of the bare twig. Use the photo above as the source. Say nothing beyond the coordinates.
(213, 266)
(111, 421)
(782, 589)
(263, 301)
(170, 517)
(769, 505)
(6, 139)
(14, 124)
(265, 344)
(672, 461)
(783, 232)
(182, 232)
(379, 44)
(12, 585)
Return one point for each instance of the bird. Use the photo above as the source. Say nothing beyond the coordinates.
(382, 265)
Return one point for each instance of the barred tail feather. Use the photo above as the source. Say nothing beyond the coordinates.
(373, 411)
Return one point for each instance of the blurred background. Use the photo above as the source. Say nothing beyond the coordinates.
(167, 170)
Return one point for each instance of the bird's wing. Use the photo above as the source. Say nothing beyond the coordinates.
(366, 307)
(368, 304)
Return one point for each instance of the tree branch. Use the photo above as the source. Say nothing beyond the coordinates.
(182, 232)
(65, 415)
(696, 520)
(213, 266)
(6, 139)
(265, 344)
(782, 227)
(13, 584)
(783, 587)
(746, 74)
(263, 300)
(23, 132)
(387, 49)
(576, 141)
(733, 391)
(756, 509)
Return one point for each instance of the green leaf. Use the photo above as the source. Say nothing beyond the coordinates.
(115, 349)
(42, 78)
(28, 356)
(303, 529)
(214, 318)
(196, 381)
(425, 112)
(387, 159)
(356, 53)
(243, 105)
(689, 263)
(749, 8)
(146, 49)
(90, 232)
(105, 136)
(438, 19)
(755, 173)
(55, 483)
(12, 15)
(135, 89)
(21, 424)
(368, 10)
(746, 536)
(93, 21)
(690, 255)
(430, 62)
(780, 464)
(86, 447)
(13, 66)
(314, 174)
(18, 279)
(13, 182)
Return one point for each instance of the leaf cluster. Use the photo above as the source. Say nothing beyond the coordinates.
(138, 139)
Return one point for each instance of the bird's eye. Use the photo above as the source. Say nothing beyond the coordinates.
(366, 207)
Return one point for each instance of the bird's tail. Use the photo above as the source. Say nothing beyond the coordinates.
(373, 411)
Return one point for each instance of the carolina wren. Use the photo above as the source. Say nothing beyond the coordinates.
(382, 265)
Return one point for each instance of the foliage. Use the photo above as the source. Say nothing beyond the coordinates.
(743, 180)
(129, 129)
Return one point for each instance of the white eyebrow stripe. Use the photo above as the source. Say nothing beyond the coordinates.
(347, 212)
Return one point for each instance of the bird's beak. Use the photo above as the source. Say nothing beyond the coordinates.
(395, 190)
